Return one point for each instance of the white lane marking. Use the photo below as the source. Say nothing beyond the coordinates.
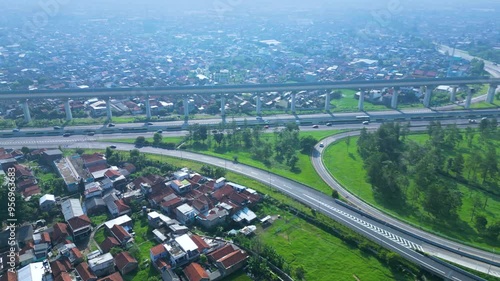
(382, 241)
(401, 241)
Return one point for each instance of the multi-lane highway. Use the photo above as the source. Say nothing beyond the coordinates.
(381, 233)
(398, 115)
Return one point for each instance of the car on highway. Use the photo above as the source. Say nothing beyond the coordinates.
(366, 122)
(266, 127)
(90, 133)
(159, 131)
(111, 125)
(315, 126)
(328, 124)
(112, 146)
(66, 134)
(57, 127)
(149, 123)
(321, 145)
(472, 121)
(15, 130)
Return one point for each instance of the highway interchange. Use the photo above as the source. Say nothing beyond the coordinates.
(382, 233)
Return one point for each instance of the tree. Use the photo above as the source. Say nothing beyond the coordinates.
(348, 142)
(218, 138)
(480, 223)
(109, 152)
(292, 162)
(307, 144)
(335, 194)
(458, 164)
(469, 135)
(157, 137)
(300, 272)
(493, 230)
(140, 141)
(25, 150)
(477, 67)
(219, 172)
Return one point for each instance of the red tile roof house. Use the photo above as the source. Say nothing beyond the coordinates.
(194, 272)
(80, 226)
(202, 245)
(85, 273)
(60, 233)
(112, 277)
(121, 234)
(157, 252)
(125, 262)
(64, 276)
(60, 266)
(95, 159)
(75, 255)
(232, 262)
(109, 243)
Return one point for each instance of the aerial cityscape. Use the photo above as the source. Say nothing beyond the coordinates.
(246, 140)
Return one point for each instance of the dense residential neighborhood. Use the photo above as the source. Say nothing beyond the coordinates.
(173, 206)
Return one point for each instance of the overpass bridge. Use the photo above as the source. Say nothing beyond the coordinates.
(426, 88)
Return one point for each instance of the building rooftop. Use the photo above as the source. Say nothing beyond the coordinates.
(119, 221)
(100, 260)
(186, 243)
(32, 272)
(185, 208)
(67, 171)
(71, 208)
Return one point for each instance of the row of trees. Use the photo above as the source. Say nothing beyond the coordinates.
(281, 148)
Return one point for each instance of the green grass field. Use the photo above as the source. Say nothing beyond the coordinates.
(486, 105)
(323, 256)
(238, 276)
(345, 164)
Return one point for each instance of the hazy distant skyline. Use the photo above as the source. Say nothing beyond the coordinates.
(169, 6)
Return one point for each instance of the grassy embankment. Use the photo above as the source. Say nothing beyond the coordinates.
(346, 165)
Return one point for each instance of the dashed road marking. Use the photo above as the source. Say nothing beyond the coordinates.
(400, 240)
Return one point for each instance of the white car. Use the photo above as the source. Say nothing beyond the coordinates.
(321, 145)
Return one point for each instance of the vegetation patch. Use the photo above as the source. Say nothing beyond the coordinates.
(445, 181)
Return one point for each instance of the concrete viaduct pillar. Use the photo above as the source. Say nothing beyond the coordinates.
(109, 113)
(186, 107)
(361, 101)
(258, 103)
(327, 101)
(67, 109)
(27, 114)
(428, 96)
(453, 96)
(468, 100)
(394, 101)
(148, 108)
(491, 93)
(294, 96)
(223, 106)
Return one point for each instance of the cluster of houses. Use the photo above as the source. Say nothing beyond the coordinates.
(176, 203)
(26, 182)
